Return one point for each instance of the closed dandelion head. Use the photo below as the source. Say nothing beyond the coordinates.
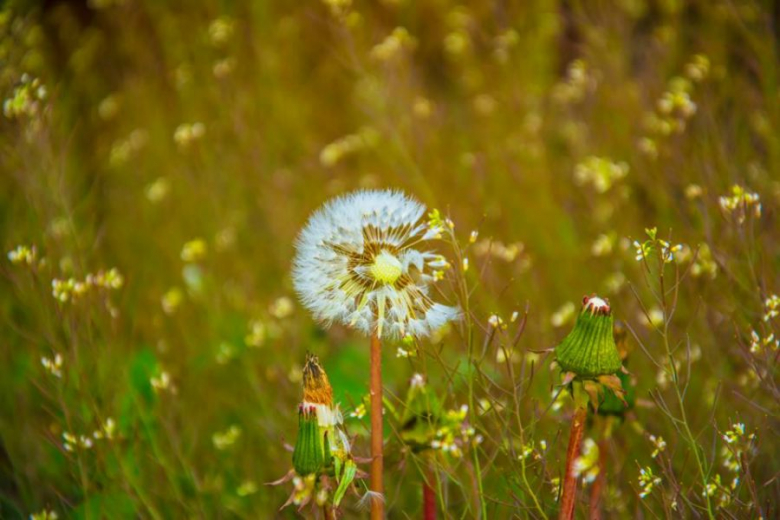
(322, 446)
(589, 350)
(361, 261)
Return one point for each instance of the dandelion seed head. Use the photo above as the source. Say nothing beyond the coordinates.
(358, 263)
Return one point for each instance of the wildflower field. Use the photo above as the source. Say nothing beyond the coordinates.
(398, 259)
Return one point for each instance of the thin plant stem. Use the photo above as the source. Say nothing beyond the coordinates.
(570, 479)
(464, 297)
(377, 506)
(598, 485)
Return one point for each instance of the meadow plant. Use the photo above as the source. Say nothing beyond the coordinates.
(589, 360)
(157, 163)
(358, 263)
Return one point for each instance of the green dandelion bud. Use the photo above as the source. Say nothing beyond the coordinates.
(615, 403)
(309, 453)
(589, 351)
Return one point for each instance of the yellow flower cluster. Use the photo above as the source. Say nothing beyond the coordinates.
(675, 106)
(741, 203)
(73, 289)
(599, 172)
(393, 45)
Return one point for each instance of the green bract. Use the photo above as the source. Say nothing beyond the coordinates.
(589, 350)
(309, 453)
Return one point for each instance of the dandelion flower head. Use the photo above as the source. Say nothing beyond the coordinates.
(360, 262)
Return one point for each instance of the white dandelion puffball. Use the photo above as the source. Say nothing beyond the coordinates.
(357, 263)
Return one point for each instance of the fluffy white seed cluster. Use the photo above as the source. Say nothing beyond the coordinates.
(358, 263)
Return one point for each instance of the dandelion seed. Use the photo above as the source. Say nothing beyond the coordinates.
(369, 498)
(357, 264)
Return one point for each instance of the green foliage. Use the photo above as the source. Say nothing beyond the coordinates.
(159, 161)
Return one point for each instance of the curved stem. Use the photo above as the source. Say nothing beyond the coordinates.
(377, 506)
(570, 479)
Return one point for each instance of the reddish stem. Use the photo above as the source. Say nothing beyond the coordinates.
(570, 479)
(377, 506)
(598, 485)
(429, 498)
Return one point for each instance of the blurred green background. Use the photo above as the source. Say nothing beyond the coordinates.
(184, 143)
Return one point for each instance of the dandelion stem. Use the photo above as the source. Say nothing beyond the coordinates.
(429, 497)
(570, 479)
(377, 506)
